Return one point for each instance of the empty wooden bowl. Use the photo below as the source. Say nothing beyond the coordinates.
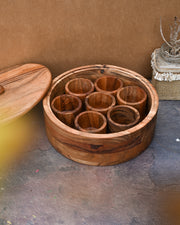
(66, 107)
(100, 102)
(108, 84)
(91, 122)
(101, 149)
(122, 117)
(133, 96)
(79, 87)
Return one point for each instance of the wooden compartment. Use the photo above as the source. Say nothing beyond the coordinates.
(101, 149)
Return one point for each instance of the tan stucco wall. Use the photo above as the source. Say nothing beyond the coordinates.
(65, 34)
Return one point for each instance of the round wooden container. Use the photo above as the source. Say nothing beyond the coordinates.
(101, 149)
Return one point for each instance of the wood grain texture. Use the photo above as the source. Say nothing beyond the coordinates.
(100, 102)
(1, 90)
(101, 149)
(79, 87)
(66, 107)
(91, 122)
(122, 117)
(108, 84)
(133, 96)
(25, 85)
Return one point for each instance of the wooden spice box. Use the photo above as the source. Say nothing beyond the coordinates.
(100, 149)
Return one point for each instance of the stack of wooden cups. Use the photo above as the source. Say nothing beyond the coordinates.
(105, 106)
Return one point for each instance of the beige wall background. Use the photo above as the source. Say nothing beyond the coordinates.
(63, 34)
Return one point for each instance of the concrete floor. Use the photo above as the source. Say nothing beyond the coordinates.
(45, 188)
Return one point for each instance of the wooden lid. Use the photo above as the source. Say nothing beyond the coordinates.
(21, 88)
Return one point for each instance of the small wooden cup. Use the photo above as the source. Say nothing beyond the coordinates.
(133, 96)
(66, 107)
(108, 84)
(91, 122)
(79, 87)
(100, 102)
(122, 117)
